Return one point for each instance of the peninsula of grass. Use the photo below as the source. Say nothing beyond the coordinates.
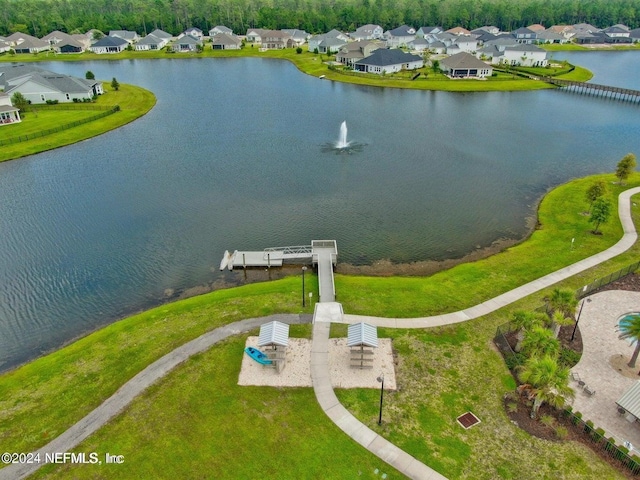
(315, 65)
(40, 400)
(133, 101)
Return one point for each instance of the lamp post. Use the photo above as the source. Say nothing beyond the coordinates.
(304, 269)
(578, 319)
(381, 380)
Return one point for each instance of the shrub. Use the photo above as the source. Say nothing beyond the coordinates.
(568, 358)
(610, 446)
(597, 434)
(51, 102)
(561, 432)
(299, 50)
(588, 426)
(515, 360)
(547, 420)
(512, 407)
(576, 418)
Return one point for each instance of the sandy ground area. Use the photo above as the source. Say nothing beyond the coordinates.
(297, 370)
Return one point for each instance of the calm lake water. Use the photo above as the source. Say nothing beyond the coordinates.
(232, 157)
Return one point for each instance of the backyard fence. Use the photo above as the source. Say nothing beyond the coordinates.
(601, 282)
(601, 442)
(23, 138)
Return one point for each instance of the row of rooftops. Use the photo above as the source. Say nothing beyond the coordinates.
(583, 33)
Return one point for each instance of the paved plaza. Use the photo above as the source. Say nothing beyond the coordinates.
(597, 324)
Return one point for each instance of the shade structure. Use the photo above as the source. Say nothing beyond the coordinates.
(630, 400)
(274, 333)
(362, 334)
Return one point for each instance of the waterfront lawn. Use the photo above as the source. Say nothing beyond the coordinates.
(198, 423)
(561, 217)
(134, 102)
(40, 400)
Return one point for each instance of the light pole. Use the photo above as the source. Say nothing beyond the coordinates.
(304, 269)
(381, 380)
(578, 319)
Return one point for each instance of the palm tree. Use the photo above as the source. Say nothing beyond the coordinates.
(524, 321)
(545, 381)
(558, 319)
(629, 328)
(540, 342)
(563, 300)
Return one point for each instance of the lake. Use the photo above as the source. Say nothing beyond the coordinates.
(233, 157)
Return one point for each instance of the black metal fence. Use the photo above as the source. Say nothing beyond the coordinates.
(601, 282)
(60, 128)
(601, 442)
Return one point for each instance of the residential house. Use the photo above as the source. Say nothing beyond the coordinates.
(437, 47)
(536, 27)
(152, 42)
(332, 40)
(502, 42)
(192, 32)
(465, 65)
(187, 43)
(584, 28)
(64, 43)
(419, 45)
(4, 46)
(298, 37)
(389, 61)
(486, 29)
(524, 35)
(56, 37)
(128, 35)
(634, 35)
(38, 85)
(463, 43)
(482, 38)
(567, 31)
(367, 32)
(23, 43)
(109, 45)
(224, 41)
(525, 56)
(8, 113)
(220, 29)
(400, 37)
(424, 31)
(458, 31)
(353, 52)
(254, 35)
(617, 34)
(276, 40)
(162, 35)
(551, 37)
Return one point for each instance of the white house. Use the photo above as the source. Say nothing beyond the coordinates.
(192, 32)
(187, 43)
(367, 32)
(128, 35)
(223, 41)
(109, 45)
(400, 37)
(220, 29)
(254, 35)
(525, 55)
(23, 43)
(151, 42)
(8, 113)
(389, 61)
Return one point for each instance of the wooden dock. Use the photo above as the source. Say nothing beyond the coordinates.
(587, 88)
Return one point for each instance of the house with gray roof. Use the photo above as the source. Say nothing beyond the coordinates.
(276, 40)
(389, 61)
(220, 29)
(109, 45)
(151, 42)
(24, 43)
(186, 43)
(525, 55)
(39, 85)
(4, 46)
(424, 31)
(367, 32)
(194, 32)
(400, 37)
(128, 35)
(299, 37)
(634, 35)
(465, 65)
(525, 35)
(254, 35)
(548, 36)
(223, 41)
(353, 52)
(419, 44)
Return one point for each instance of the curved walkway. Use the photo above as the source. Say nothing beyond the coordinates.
(321, 381)
(134, 387)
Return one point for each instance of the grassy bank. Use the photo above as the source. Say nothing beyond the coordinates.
(573, 47)
(313, 64)
(133, 101)
(197, 403)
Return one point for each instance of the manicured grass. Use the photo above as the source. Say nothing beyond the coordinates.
(134, 102)
(43, 398)
(206, 426)
(561, 218)
(571, 47)
(441, 372)
(313, 64)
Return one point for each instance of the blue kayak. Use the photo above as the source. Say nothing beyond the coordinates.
(257, 355)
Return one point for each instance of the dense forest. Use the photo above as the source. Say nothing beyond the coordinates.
(39, 17)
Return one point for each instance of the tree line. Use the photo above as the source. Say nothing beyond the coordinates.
(39, 17)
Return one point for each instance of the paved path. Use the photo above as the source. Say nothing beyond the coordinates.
(628, 239)
(134, 387)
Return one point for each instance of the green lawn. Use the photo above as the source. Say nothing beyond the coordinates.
(41, 399)
(133, 101)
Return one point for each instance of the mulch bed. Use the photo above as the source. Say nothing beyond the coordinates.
(630, 283)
